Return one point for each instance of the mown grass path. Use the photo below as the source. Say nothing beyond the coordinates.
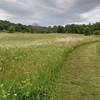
(79, 78)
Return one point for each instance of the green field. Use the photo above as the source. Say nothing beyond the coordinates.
(49, 67)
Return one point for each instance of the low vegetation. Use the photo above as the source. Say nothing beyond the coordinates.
(79, 78)
(30, 64)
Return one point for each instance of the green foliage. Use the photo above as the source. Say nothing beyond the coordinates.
(11, 29)
(60, 29)
(96, 32)
(74, 28)
(49, 29)
(89, 29)
(55, 29)
(6, 26)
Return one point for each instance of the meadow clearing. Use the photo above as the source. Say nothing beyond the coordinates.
(49, 67)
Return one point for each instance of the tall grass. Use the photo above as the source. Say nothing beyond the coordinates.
(29, 73)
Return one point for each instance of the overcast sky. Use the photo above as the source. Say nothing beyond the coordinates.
(50, 12)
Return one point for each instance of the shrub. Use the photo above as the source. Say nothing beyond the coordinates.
(11, 29)
(96, 32)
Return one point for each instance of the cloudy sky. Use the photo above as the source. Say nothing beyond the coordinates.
(50, 12)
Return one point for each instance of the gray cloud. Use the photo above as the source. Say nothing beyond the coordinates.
(47, 12)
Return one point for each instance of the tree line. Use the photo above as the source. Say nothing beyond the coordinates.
(88, 29)
(6, 26)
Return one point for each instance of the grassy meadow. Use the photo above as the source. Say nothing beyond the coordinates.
(30, 64)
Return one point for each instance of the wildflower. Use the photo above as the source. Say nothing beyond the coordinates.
(15, 94)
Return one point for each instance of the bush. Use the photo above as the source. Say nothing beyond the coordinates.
(11, 29)
(96, 32)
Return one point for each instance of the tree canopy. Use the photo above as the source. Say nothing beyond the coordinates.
(6, 26)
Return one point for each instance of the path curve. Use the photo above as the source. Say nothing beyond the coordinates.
(79, 78)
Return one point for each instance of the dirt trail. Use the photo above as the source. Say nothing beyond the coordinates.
(79, 78)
